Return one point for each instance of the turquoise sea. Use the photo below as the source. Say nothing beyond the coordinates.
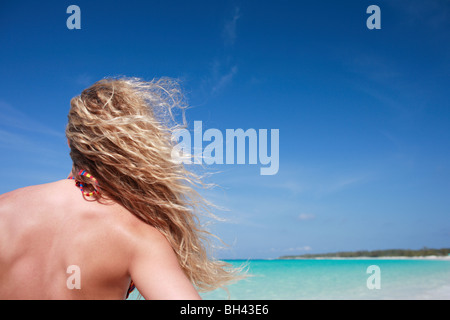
(340, 279)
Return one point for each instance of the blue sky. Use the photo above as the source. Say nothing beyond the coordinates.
(363, 114)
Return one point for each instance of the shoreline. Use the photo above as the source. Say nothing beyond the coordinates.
(432, 257)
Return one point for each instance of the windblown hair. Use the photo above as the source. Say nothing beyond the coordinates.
(120, 131)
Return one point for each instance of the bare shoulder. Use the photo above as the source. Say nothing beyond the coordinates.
(8, 197)
(147, 238)
(16, 201)
(29, 193)
(144, 231)
(155, 268)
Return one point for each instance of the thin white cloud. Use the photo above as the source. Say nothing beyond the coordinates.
(223, 80)
(25, 143)
(229, 29)
(223, 70)
(333, 185)
(296, 180)
(296, 249)
(291, 249)
(84, 80)
(306, 216)
(11, 117)
(433, 13)
(374, 67)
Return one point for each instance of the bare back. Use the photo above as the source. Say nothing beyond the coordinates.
(49, 232)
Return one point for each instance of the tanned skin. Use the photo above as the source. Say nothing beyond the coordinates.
(44, 229)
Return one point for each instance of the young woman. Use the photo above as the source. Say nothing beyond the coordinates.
(126, 217)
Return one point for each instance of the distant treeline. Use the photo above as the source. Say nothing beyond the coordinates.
(376, 253)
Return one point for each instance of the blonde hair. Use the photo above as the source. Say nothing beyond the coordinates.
(120, 131)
